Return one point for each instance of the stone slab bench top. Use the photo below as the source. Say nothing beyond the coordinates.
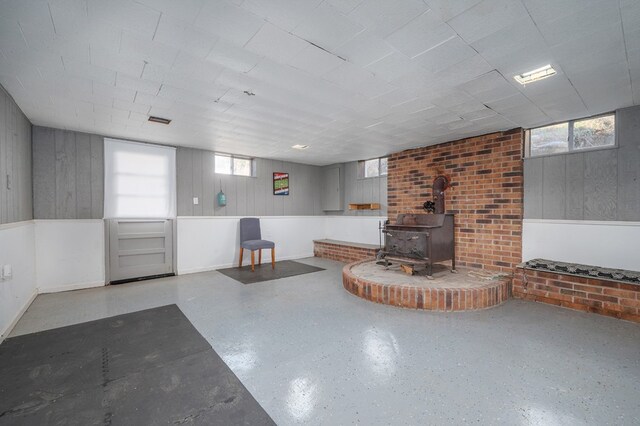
(348, 244)
(579, 270)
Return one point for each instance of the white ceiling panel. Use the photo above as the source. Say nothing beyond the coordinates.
(276, 44)
(486, 18)
(326, 27)
(421, 34)
(354, 79)
(364, 48)
(384, 17)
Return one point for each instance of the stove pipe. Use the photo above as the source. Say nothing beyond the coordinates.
(440, 184)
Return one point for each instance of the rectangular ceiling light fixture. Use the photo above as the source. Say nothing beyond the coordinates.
(535, 75)
(159, 120)
(298, 146)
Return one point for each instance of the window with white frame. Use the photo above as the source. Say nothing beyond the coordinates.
(372, 168)
(139, 180)
(232, 165)
(575, 135)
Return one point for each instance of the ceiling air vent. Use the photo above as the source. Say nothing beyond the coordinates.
(159, 120)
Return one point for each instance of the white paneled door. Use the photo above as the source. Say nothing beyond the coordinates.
(140, 248)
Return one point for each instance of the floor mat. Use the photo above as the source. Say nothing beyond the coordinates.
(146, 367)
(283, 269)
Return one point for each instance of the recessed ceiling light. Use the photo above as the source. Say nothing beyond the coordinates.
(535, 75)
(298, 146)
(159, 120)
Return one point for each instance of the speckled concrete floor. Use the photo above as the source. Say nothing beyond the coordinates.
(312, 353)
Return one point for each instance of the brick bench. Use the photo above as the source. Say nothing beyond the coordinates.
(344, 251)
(605, 296)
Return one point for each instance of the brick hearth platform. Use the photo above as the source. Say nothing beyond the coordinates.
(602, 296)
(447, 292)
(344, 251)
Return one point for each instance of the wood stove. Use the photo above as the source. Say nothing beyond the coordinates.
(420, 240)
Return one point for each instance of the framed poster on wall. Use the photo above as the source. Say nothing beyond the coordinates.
(280, 183)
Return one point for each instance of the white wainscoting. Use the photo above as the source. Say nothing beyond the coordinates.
(609, 244)
(17, 248)
(211, 242)
(69, 254)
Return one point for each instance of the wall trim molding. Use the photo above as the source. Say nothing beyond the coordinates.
(5, 333)
(229, 265)
(583, 222)
(282, 217)
(70, 287)
(12, 225)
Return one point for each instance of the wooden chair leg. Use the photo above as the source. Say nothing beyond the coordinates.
(260, 257)
(273, 258)
(253, 260)
(241, 253)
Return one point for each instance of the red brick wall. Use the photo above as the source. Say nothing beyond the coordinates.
(342, 253)
(604, 297)
(486, 194)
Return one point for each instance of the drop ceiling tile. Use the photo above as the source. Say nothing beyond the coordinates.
(117, 62)
(344, 6)
(285, 14)
(447, 9)
(134, 83)
(232, 57)
(599, 16)
(445, 55)
(353, 78)
(548, 10)
(315, 61)
(421, 34)
(392, 67)
(189, 66)
(326, 27)
(486, 18)
(70, 17)
(127, 14)
(385, 17)
(275, 44)
(153, 52)
(184, 10)
(90, 72)
(489, 87)
(364, 48)
(182, 35)
(228, 21)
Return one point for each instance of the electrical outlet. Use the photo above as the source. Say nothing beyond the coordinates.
(195, 200)
(7, 272)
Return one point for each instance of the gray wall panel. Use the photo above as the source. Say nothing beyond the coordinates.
(358, 190)
(246, 196)
(68, 174)
(15, 162)
(575, 187)
(553, 187)
(599, 185)
(533, 172)
(629, 164)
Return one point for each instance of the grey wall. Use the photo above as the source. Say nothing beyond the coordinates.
(358, 190)
(68, 174)
(246, 196)
(595, 185)
(15, 162)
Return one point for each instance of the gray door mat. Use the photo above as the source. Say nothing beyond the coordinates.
(149, 367)
(284, 269)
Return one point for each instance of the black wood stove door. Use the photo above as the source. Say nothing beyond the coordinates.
(407, 244)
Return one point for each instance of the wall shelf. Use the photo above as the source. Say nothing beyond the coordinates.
(364, 206)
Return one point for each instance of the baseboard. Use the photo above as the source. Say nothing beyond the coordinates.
(70, 287)
(18, 315)
(229, 265)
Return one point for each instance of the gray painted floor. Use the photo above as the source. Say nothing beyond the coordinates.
(310, 352)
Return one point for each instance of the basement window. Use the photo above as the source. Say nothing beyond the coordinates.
(575, 135)
(232, 165)
(375, 167)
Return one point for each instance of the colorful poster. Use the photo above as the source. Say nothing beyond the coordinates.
(280, 183)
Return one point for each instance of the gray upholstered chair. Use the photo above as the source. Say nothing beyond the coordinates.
(251, 239)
